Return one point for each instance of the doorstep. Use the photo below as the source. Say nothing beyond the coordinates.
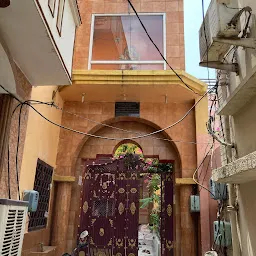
(47, 251)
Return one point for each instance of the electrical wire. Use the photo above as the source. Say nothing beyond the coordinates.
(195, 172)
(204, 175)
(114, 138)
(17, 151)
(8, 157)
(157, 48)
(212, 133)
(109, 126)
(204, 155)
(8, 170)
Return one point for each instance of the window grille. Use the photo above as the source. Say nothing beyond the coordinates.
(103, 208)
(43, 179)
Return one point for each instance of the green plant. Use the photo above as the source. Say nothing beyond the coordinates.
(155, 169)
(154, 183)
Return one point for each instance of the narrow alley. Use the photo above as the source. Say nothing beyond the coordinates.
(127, 128)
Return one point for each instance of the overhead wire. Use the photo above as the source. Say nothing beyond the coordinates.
(157, 48)
(196, 171)
(109, 126)
(114, 138)
(17, 151)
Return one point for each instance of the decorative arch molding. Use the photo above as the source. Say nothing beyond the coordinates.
(113, 121)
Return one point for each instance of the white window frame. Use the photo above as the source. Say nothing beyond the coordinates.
(90, 61)
(60, 15)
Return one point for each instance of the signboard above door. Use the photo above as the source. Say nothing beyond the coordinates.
(127, 109)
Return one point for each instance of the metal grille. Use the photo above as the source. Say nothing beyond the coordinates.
(13, 233)
(103, 208)
(42, 184)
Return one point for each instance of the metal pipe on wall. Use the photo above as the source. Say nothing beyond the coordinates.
(232, 195)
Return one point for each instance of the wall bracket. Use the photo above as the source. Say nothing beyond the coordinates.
(243, 42)
(231, 67)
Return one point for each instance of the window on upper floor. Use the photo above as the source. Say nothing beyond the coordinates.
(60, 15)
(120, 42)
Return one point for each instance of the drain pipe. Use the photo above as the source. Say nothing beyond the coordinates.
(232, 209)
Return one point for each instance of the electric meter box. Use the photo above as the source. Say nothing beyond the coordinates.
(222, 233)
(218, 190)
(32, 197)
(194, 203)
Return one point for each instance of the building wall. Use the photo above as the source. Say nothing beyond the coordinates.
(41, 141)
(94, 146)
(42, 137)
(244, 128)
(158, 115)
(247, 222)
(174, 26)
(246, 57)
(65, 41)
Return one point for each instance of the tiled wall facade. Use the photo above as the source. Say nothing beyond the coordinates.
(174, 26)
(153, 116)
(94, 146)
(156, 113)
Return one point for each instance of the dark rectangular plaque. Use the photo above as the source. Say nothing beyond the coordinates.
(127, 109)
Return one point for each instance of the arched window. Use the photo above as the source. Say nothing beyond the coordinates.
(128, 148)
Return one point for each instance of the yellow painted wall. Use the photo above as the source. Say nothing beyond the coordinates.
(42, 138)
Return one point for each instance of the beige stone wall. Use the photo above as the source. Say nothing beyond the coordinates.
(42, 137)
(41, 142)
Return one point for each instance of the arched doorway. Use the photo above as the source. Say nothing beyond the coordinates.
(161, 149)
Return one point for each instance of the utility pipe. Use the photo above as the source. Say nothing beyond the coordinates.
(232, 195)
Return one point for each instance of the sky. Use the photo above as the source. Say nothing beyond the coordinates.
(193, 21)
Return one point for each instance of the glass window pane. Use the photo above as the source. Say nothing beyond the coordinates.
(123, 38)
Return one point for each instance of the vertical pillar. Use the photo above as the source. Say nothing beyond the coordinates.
(188, 241)
(61, 216)
(201, 115)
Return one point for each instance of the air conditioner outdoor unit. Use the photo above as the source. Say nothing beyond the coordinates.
(216, 26)
(12, 226)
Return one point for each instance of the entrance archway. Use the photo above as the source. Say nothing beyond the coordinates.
(89, 148)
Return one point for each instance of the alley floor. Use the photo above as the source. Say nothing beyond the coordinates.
(146, 242)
